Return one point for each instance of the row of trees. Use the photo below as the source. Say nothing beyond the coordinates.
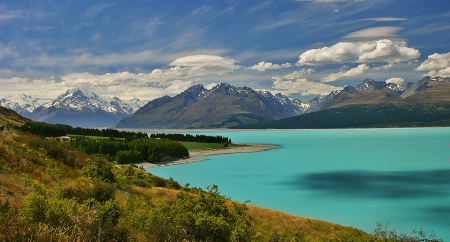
(133, 151)
(56, 130)
(192, 138)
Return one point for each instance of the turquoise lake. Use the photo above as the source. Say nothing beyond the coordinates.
(353, 177)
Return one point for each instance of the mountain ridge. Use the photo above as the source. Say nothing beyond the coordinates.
(377, 104)
(221, 106)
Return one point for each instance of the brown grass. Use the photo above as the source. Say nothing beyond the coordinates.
(269, 223)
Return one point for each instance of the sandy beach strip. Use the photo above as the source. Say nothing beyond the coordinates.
(198, 154)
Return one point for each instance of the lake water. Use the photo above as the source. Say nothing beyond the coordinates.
(352, 177)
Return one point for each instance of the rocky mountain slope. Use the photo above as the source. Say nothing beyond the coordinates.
(222, 106)
(368, 92)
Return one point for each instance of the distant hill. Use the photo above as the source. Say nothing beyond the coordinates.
(377, 104)
(222, 106)
(10, 118)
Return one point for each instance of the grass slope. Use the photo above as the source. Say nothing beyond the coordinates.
(10, 118)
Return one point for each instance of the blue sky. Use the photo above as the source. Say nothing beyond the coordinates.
(147, 49)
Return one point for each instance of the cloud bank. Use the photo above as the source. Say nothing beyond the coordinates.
(302, 86)
(384, 50)
(436, 65)
(349, 73)
(263, 65)
(395, 80)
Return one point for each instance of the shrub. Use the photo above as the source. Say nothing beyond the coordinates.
(201, 217)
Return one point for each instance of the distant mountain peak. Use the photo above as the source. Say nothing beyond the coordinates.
(22, 104)
(369, 85)
(82, 107)
(198, 91)
(223, 105)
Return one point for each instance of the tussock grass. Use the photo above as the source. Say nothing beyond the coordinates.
(278, 226)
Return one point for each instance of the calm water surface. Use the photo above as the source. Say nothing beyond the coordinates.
(350, 177)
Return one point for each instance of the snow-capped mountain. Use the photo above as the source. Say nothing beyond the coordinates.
(22, 104)
(222, 106)
(83, 108)
(320, 101)
(369, 85)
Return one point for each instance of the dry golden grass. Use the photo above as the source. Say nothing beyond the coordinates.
(268, 223)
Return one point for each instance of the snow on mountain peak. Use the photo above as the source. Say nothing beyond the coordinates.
(22, 104)
(81, 99)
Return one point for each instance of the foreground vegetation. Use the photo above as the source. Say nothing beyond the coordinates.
(50, 192)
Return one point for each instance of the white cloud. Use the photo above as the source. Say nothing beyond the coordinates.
(436, 65)
(127, 85)
(34, 87)
(348, 73)
(201, 10)
(396, 80)
(296, 83)
(375, 33)
(206, 64)
(384, 50)
(184, 72)
(384, 19)
(7, 52)
(384, 67)
(299, 74)
(302, 86)
(263, 65)
(329, 1)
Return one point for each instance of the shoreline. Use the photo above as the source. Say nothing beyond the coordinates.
(197, 154)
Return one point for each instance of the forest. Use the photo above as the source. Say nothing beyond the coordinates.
(122, 147)
(57, 130)
(192, 138)
(132, 151)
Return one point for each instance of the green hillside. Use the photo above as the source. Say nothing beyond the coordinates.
(421, 114)
(10, 118)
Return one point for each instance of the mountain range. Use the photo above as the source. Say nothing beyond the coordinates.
(225, 106)
(220, 107)
(76, 107)
(377, 104)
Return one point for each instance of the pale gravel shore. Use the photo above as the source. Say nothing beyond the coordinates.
(197, 155)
